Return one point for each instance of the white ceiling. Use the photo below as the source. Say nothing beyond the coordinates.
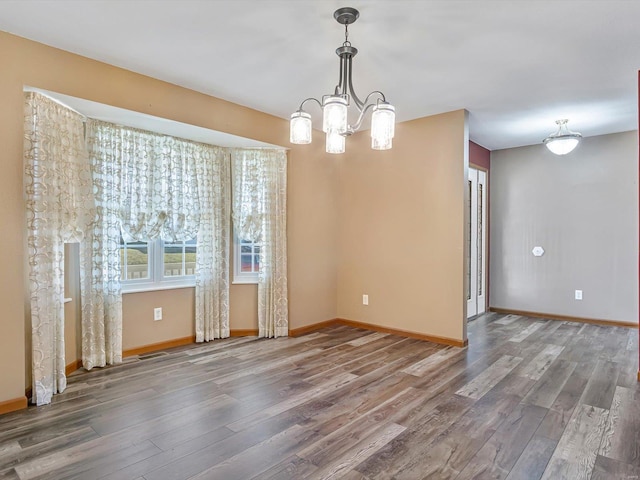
(516, 65)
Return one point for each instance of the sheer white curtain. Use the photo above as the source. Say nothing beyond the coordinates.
(259, 180)
(158, 187)
(100, 258)
(155, 178)
(212, 254)
(59, 208)
(153, 185)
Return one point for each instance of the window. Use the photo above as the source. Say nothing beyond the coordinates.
(246, 262)
(157, 265)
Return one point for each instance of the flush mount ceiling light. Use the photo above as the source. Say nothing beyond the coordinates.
(564, 140)
(335, 106)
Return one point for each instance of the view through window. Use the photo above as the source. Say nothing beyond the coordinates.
(157, 264)
(246, 261)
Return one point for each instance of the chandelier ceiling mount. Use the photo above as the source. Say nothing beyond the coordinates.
(346, 15)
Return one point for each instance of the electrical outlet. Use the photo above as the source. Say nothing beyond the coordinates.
(157, 314)
(578, 294)
(365, 299)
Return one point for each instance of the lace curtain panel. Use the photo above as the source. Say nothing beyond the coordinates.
(212, 254)
(59, 209)
(155, 185)
(100, 287)
(259, 180)
(155, 179)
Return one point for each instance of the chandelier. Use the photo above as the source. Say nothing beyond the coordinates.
(335, 106)
(564, 140)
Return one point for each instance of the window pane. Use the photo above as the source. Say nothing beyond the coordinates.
(190, 249)
(246, 255)
(172, 262)
(246, 263)
(179, 258)
(172, 259)
(134, 257)
(190, 257)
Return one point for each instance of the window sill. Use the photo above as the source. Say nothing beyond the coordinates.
(155, 287)
(244, 281)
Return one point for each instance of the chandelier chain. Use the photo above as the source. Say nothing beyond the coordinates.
(346, 43)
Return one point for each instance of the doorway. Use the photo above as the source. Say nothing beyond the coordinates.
(477, 243)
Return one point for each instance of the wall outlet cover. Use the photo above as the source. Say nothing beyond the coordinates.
(157, 314)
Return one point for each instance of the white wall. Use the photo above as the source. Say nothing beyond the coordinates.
(582, 208)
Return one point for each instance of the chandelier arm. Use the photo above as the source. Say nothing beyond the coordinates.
(363, 112)
(384, 99)
(307, 100)
(354, 128)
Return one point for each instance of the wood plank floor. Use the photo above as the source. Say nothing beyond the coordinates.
(528, 399)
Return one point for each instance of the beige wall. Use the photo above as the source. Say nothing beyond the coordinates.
(138, 326)
(311, 193)
(312, 212)
(401, 228)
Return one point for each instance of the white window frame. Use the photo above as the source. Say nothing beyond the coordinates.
(156, 279)
(240, 277)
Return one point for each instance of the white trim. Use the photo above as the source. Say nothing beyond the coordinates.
(477, 267)
(153, 287)
(252, 280)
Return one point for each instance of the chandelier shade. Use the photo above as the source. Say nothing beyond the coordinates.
(335, 142)
(563, 141)
(383, 121)
(334, 114)
(300, 129)
(335, 106)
